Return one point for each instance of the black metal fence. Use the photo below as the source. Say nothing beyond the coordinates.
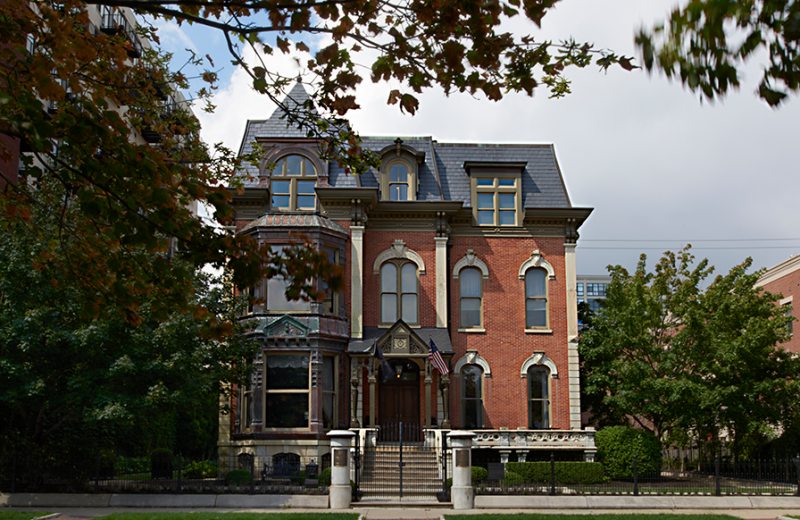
(251, 475)
(405, 463)
(758, 477)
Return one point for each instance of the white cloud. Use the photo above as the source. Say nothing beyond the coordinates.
(652, 160)
(172, 35)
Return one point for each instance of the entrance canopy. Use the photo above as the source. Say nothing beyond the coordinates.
(416, 340)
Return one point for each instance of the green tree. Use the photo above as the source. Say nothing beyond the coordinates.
(667, 355)
(706, 43)
(72, 384)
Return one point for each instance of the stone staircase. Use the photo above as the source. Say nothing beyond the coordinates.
(380, 472)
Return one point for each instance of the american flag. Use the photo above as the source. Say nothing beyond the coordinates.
(435, 357)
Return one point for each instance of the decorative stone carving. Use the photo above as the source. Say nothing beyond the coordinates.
(473, 358)
(536, 260)
(398, 250)
(286, 327)
(470, 260)
(539, 358)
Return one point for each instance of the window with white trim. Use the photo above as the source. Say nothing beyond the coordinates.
(538, 398)
(293, 181)
(399, 292)
(471, 298)
(276, 292)
(471, 397)
(536, 315)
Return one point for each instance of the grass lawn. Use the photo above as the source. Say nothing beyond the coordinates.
(228, 516)
(21, 515)
(633, 516)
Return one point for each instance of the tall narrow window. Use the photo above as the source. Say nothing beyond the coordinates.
(276, 293)
(471, 397)
(787, 311)
(538, 398)
(398, 182)
(329, 420)
(536, 299)
(293, 181)
(287, 398)
(330, 305)
(471, 296)
(399, 293)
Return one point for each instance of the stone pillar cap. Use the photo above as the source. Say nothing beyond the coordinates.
(341, 433)
(461, 434)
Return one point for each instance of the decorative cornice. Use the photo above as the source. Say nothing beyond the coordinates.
(778, 271)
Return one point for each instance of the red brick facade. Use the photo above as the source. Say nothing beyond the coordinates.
(784, 279)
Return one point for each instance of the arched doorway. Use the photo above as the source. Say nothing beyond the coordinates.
(398, 402)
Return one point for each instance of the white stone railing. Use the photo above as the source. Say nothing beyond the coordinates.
(535, 439)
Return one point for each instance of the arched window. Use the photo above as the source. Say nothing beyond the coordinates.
(398, 182)
(293, 181)
(399, 289)
(536, 298)
(471, 298)
(538, 398)
(471, 397)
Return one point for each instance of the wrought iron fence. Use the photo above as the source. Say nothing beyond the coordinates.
(252, 475)
(756, 477)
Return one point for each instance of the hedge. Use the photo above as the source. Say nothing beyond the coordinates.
(616, 446)
(566, 472)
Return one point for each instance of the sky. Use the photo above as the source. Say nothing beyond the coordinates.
(660, 168)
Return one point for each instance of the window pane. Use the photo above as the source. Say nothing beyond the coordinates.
(409, 274)
(328, 374)
(293, 163)
(508, 218)
(388, 308)
(486, 218)
(280, 201)
(579, 288)
(507, 200)
(470, 312)
(327, 410)
(287, 371)
(287, 411)
(305, 187)
(537, 382)
(398, 173)
(306, 201)
(535, 313)
(485, 201)
(276, 297)
(535, 283)
(388, 278)
(471, 409)
(471, 377)
(410, 308)
(470, 283)
(536, 419)
(309, 168)
(505, 182)
(485, 182)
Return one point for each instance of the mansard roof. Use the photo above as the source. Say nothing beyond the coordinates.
(294, 220)
(442, 175)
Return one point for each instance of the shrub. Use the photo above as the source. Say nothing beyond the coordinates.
(511, 478)
(239, 477)
(325, 477)
(201, 469)
(300, 478)
(161, 463)
(128, 465)
(479, 474)
(616, 446)
(565, 472)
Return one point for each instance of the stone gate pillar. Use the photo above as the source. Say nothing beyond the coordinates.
(463, 495)
(340, 491)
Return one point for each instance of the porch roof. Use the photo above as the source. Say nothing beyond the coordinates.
(439, 336)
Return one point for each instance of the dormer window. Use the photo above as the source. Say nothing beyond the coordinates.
(293, 181)
(399, 175)
(496, 193)
(398, 182)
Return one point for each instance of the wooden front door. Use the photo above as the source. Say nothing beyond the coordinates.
(398, 402)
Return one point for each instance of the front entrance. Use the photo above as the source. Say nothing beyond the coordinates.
(398, 403)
